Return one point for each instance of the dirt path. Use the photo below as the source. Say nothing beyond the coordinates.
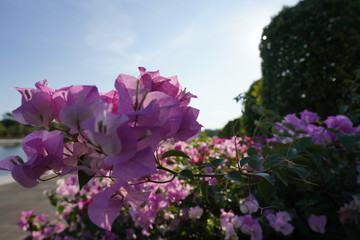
(14, 198)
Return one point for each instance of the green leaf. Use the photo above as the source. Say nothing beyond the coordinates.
(216, 162)
(187, 174)
(303, 142)
(266, 190)
(205, 190)
(299, 170)
(234, 176)
(307, 202)
(256, 163)
(83, 178)
(175, 153)
(275, 159)
(265, 150)
(348, 140)
(60, 209)
(343, 109)
(252, 151)
(280, 173)
(246, 160)
(253, 161)
(292, 152)
(266, 176)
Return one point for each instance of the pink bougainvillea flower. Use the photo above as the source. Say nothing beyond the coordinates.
(111, 133)
(308, 117)
(36, 110)
(341, 123)
(250, 226)
(73, 116)
(37, 106)
(106, 205)
(317, 223)
(279, 222)
(129, 92)
(294, 121)
(112, 98)
(152, 81)
(44, 152)
(195, 212)
(320, 134)
(81, 95)
(250, 205)
(168, 85)
(142, 164)
(74, 151)
(9, 163)
(75, 105)
(189, 127)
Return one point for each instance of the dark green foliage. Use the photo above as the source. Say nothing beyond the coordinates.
(310, 57)
(232, 128)
(252, 104)
(210, 133)
(10, 128)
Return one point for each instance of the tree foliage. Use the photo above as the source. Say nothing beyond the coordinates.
(232, 128)
(310, 56)
(10, 128)
(252, 102)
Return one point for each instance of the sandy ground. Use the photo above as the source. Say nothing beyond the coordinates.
(14, 198)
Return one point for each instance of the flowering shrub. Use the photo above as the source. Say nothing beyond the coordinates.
(138, 179)
(282, 190)
(111, 135)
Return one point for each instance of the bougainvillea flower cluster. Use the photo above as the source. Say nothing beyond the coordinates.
(113, 135)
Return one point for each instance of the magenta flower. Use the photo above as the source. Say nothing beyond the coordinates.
(250, 205)
(195, 212)
(189, 128)
(111, 133)
(317, 223)
(250, 226)
(112, 98)
(75, 104)
(320, 135)
(106, 205)
(294, 121)
(341, 123)
(140, 165)
(159, 103)
(279, 222)
(25, 219)
(44, 152)
(37, 108)
(308, 117)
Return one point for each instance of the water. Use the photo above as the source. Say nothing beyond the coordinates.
(10, 151)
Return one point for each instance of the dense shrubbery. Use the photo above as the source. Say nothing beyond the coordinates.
(232, 128)
(252, 110)
(9, 128)
(310, 59)
(303, 183)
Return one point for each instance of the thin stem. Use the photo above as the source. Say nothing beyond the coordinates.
(161, 167)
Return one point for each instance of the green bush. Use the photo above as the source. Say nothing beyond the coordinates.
(232, 128)
(310, 56)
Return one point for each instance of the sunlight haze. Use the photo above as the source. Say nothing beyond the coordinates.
(212, 46)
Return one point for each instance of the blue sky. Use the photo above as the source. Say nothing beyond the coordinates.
(212, 46)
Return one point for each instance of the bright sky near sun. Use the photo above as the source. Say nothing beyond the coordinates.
(211, 45)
